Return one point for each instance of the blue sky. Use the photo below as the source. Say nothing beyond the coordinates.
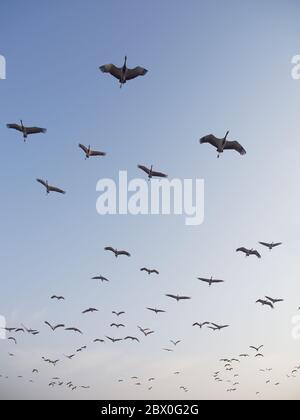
(213, 66)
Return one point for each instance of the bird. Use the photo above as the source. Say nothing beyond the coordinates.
(123, 74)
(101, 278)
(118, 313)
(244, 355)
(168, 350)
(90, 310)
(256, 348)
(265, 303)
(70, 357)
(98, 340)
(117, 252)
(259, 355)
(50, 188)
(117, 325)
(114, 340)
(223, 144)
(249, 252)
(201, 325)
(178, 298)
(129, 337)
(157, 311)
(57, 297)
(218, 327)
(273, 301)
(73, 329)
(35, 371)
(26, 131)
(152, 173)
(81, 348)
(149, 271)
(20, 330)
(89, 152)
(210, 281)
(175, 342)
(53, 328)
(12, 339)
(270, 245)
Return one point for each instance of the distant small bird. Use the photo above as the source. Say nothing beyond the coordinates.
(117, 325)
(101, 278)
(12, 339)
(26, 131)
(168, 350)
(53, 328)
(20, 330)
(116, 252)
(149, 271)
(249, 252)
(35, 371)
(270, 245)
(265, 303)
(123, 74)
(57, 297)
(223, 144)
(81, 349)
(157, 311)
(129, 337)
(218, 327)
(244, 355)
(50, 188)
(151, 173)
(70, 357)
(90, 310)
(178, 298)
(118, 313)
(114, 340)
(89, 152)
(259, 355)
(256, 348)
(175, 342)
(210, 281)
(98, 340)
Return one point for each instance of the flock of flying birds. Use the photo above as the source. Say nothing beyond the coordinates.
(124, 74)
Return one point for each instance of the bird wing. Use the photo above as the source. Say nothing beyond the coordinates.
(211, 139)
(256, 253)
(144, 168)
(35, 130)
(41, 181)
(59, 326)
(172, 296)
(144, 269)
(15, 127)
(124, 253)
(217, 281)
(264, 244)
(96, 153)
(184, 297)
(133, 73)
(112, 69)
(82, 147)
(109, 248)
(205, 280)
(277, 244)
(55, 189)
(49, 325)
(159, 174)
(242, 249)
(235, 145)
(154, 271)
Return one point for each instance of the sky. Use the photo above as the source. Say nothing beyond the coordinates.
(212, 67)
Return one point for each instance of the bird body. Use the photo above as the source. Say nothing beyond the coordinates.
(117, 252)
(89, 152)
(50, 188)
(249, 252)
(270, 245)
(151, 173)
(149, 271)
(210, 281)
(26, 131)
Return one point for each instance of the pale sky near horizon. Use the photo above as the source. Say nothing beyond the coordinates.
(212, 67)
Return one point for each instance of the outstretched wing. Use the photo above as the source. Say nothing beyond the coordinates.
(124, 253)
(133, 73)
(55, 189)
(15, 127)
(264, 244)
(42, 182)
(82, 147)
(211, 139)
(235, 145)
(109, 248)
(96, 153)
(217, 281)
(172, 296)
(256, 253)
(143, 168)
(205, 280)
(112, 69)
(159, 174)
(35, 130)
(184, 297)
(242, 249)
(277, 244)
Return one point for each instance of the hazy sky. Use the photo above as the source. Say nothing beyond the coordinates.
(213, 66)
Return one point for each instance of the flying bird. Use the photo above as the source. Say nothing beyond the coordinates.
(178, 298)
(175, 342)
(157, 311)
(265, 303)
(50, 188)
(223, 144)
(89, 152)
(129, 337)
(26, 131)
(118, 313)
(117, 325)
(210, 281)
(116, 252)
(270, 245)
(151, 173)
(201, 325)
(218, 327)
(114, 340)
(90, 310)
(149, 271)
(101, 278)
(57, 297)
(98, 340)
(53, 328)
(274, 301)
(123, 74)
(73, 329)
(12, 339)
(249, 252)
(256, 348)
